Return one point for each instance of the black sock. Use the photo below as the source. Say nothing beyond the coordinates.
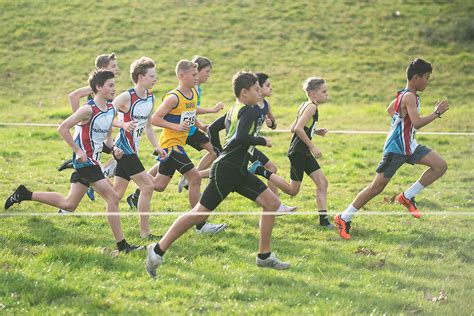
(264, 256)
(121, 245)
(158, 250)
(200, 225)
(261, 171)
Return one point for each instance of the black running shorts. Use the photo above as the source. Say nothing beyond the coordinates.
(127, 166)
(197, 139)
(301, 163)
(224, 179)
(391, 162)
(87, 175)
(176, 159)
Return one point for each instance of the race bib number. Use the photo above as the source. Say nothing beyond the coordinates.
(189, 117)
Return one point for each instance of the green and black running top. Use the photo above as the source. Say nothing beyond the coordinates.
(241, 126)
(297, 145)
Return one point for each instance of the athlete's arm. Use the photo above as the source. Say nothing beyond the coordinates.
(218, 107)
(271, 120)
(200, 125)
(75, 97)
(158, 117)
(301, 123)
(243, 136)
(213, 133)
(152, 138)
(122, 103)
(81, 115)
(391, 108)
(418, 122)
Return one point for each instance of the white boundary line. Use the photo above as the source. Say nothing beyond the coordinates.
(276, 130)
(258, 213)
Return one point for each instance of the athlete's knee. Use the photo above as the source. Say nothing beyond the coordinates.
(194, 178)
(113, 198)
(159, 187)
(70, 206)
(441, 167)
(273, 204)
(147, 188)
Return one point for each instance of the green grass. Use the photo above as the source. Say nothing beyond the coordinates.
(51, 265)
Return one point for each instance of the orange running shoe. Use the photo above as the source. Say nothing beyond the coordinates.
(343, 227)
(409, 204)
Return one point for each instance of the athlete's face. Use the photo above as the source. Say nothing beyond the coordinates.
(421, 82)
(204, 74)
(189, 78)
(320, 95)
(148, 80)
(252, 95)
(113, 66)
(266, 89)
(107, 91)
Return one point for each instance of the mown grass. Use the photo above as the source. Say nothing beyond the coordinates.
(52, 265)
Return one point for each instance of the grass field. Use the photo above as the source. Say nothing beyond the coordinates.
(52, 265)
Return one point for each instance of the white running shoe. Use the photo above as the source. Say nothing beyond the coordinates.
(182, 183)
(153, 260)
(109, 168)
(212, 229)
(285, 209)
(272, 262)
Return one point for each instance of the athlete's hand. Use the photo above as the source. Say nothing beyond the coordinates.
(442, 106)
(315, 152)
(218, 107)
(183, 127)
(160, 152)
(269, 122)
(268, 142)
(321, 131)
(130, 126)
(118, 153)
(81, 155)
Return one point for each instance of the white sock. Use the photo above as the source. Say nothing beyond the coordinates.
(61, 211)
(348, 213)
(413, 190)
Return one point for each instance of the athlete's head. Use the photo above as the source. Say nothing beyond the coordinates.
(418, 73)
(187, 73)
(142, 71)
(316, 89)
(265, 84)
(102, 83)
(204, 68)
(107, 62)
(246, 87)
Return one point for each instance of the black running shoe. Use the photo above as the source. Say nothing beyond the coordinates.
(152, 237)
(65, 165)
(131, 248)
(19, 195)
(132, 200)
(324, 221)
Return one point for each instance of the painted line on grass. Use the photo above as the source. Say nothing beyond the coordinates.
(257, 213)
(277, 130)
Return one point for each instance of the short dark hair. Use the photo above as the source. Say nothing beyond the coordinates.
(202, 62)
(98, 78)
(418, 67)
(102, 61)
(243, 80)
(262, 77)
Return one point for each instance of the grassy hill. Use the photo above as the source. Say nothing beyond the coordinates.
(59, 265)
